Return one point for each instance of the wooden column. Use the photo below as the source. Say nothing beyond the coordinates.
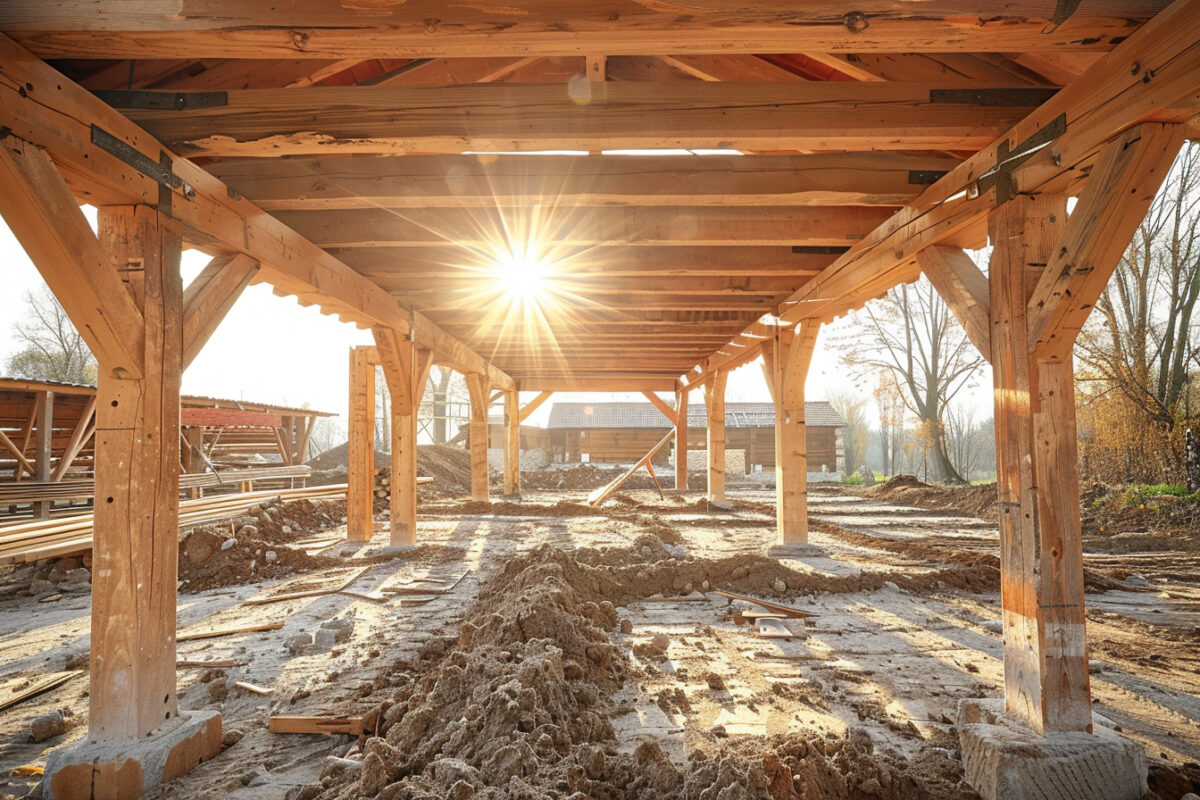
(45, 449)
(714, 401)
(681, 439)
(478, 389)
(360, 456)
(405, 368)
(786, 359)
(512, 443)
(136, 546)
(1045, 654)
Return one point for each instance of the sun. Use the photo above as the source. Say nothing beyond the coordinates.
(522, 275)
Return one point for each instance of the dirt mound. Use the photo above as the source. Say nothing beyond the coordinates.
(519, 707)
(255, 547)
(338, 456)
(585, 477)
(450, 468)
(970, 501)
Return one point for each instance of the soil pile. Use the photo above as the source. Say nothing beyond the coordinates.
(256, 546)
(450, 468)
(336, 457)
(1109, 510)
(519, 707)
(969, 501)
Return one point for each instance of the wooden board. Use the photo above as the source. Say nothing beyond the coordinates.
(15, 690)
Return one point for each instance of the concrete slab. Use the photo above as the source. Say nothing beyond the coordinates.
(1004, 760)
(124, 770)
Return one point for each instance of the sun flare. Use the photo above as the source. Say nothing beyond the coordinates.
(522, 275)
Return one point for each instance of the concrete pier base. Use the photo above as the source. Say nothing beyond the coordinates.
(795, 551)
(1004, 760)
(124, 770)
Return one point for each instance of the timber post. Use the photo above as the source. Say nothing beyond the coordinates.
(512, 443)
(786, 359)
(714, 404)
(681, 438)
(477, 434)
(360, 447)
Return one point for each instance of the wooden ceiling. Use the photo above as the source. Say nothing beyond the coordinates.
(397, 136)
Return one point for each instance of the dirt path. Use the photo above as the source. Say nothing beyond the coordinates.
(891, 649)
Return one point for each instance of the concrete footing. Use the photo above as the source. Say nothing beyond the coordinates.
(98, 769)
(1005, 760)
(795, 551)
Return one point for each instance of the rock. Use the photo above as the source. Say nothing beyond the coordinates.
(79, 575)
(199, 546)
(270, 556)
(994, 626)
(715, 681)
(285, 529)
(1095, 667)
(247, 530)
(39, 587)
(231, 737)
(626, 627)
(218, 690)
(779, 585)
(324, 639)
(299, 643)
(739, 573)
(342, 629)
(228, 543)
(891, 585)
(48, 726)
(1137, 580)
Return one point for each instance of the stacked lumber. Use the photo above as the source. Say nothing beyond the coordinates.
(383, 484)
(31, 541)
(33, 492)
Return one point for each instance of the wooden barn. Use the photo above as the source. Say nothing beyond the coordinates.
(615, 433)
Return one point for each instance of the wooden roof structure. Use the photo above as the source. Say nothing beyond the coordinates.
(388, 147)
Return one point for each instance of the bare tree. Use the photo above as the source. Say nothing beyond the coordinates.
(52, 349)
(853, 408)
(891, 420)
(912, 334)
(1144, 342)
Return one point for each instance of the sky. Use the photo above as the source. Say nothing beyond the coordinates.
(269, 349)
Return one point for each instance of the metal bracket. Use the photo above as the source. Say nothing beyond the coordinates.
(158, 171)
(1008, 160)
(1033, 96)
(162, 101)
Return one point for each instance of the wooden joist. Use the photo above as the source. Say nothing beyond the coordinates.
(488, 231)
(598, 496)
(155, 29)
(209, 297)
(632, 115)
(828, 179)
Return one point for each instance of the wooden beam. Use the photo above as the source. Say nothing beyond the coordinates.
(451, 120)
(209, 297)
(666, 410)
(477, 389)
(321, 30)
(1123, 183)
(598, 496)
(454, 353)
(360, 454)
(79, 436)
(22, 461)
(1163, 84)
(46, 220)
(714, 406)
(43, 107)
(383, 263)
(490, 231)
(601, 382)
(457, 182)
(964, 287)
(135, 548)
(533, 405)
(735, 68)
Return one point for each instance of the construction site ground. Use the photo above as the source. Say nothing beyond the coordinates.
(500, 669)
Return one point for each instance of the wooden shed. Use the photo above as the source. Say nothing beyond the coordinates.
(623, 432)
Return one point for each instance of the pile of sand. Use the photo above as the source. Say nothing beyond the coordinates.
(519, 706)
(969, 501)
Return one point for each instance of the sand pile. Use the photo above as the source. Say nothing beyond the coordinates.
(450, 468)
(519, 707)
(255, 546)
